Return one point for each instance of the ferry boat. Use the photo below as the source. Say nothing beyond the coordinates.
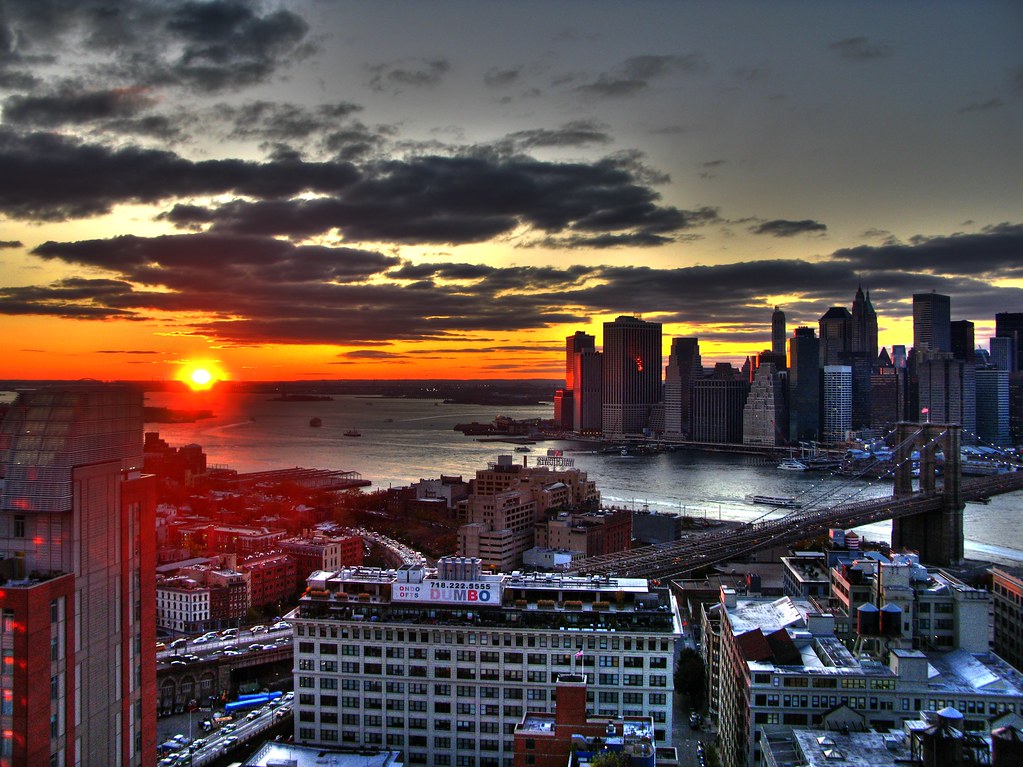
(780, 501)
(523, 449)
(353, 433)
(793, 464)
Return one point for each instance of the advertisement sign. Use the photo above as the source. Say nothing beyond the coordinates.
(448, 592)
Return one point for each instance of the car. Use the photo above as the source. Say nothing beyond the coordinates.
(197, 744)
(228, 727)
(252, 715)
(181, 642)
(289, 695)
(178, 662)
(255, 646)
(160, 647)
(230, 741)
(230, 652)
(228, 633)
(201, 640)
(256, 629)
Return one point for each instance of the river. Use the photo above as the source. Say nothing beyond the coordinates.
(405, 440)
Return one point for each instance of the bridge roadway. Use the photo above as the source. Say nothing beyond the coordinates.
(679, 558)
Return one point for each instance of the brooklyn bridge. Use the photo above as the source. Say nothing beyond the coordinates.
(927, 518)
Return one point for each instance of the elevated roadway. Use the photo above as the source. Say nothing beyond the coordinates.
(682, 557)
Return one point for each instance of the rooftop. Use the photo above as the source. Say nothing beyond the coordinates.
(273, 754)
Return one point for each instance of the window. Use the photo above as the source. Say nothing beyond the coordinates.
(19, 526)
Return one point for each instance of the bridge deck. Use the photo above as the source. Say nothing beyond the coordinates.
(679, 558)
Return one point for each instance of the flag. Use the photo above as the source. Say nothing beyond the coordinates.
(579, 654)
(925, 410)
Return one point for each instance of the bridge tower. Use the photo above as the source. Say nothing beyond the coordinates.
(937, 534)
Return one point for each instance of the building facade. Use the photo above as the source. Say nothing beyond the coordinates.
(631, 374)
(445, 663)
(77, 604)
(836, 404)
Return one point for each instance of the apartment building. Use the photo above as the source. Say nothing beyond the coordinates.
(782, 667)
(444, 663)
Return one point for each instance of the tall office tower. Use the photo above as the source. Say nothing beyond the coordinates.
(564, 409)
(887, 393)
(564, 399)
(993, 406)
(778, 331)
(835, 334)
(899, 356)
(717, 404)
(864, 327)
(765, 418)
(932, 318)
(77, 605)
(804, 385)
(939, 388)
(963, 348)
(587, 394)
(576, 344)
(632, 374)
(443, 664)
(1001, 350)
(684, 366)
(837, 403)
(1010, 325)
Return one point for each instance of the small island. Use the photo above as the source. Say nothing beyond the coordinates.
(169, 415)
(301, 398)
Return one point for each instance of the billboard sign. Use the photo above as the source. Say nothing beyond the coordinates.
(448, 592)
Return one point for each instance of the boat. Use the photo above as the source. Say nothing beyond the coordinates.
(523, 449)
(792, 464)
(784, 501)
(353, 433)
(315, 422)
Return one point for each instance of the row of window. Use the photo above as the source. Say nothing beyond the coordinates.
(496, 639)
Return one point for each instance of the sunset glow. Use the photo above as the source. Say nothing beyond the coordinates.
(309, 204)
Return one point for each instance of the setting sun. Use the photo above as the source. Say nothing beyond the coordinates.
(200, 375)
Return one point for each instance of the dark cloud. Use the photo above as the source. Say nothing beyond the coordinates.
(263, 290)
(993, 252)
(282, 121)
(125, 351)
(457, 200)
(648, 67)
(860, 49)
(573, 134)
(417, 73)
(75, 107)
(982, 106)
(10, 244)
(609, 87)
(782, 228)
(204, 46)
(93, 179)
(500, 78)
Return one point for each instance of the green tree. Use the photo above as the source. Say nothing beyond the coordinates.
(691, 678)
(611, 759)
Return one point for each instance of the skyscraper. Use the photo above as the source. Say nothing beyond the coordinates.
(78, 598)
(932, 318)
(684, 366)
(804, 385)
(632, 374)
(778, 331)
(864, 327)
(837, 404)
(1010, 325)
(565, 399)
(835, 334)
(765, 419)
(587, 391)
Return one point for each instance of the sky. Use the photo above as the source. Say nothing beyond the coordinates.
(376, 190)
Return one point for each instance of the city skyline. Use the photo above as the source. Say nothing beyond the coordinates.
(297, 190)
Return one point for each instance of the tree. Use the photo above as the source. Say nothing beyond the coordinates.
(691, 678)
(611, 759)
